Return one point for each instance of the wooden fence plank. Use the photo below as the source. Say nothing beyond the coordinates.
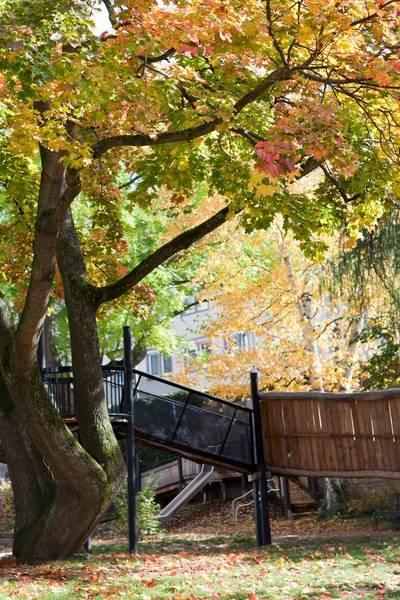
(320, 433)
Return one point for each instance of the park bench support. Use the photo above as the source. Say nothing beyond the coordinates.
(130, 441)
(260, 490)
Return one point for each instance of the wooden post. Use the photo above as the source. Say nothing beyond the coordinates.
(260, 459)
(130, 441)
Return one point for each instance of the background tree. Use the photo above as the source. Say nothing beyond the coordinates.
(272, 310)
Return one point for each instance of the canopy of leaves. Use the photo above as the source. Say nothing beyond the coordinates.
(254, 90)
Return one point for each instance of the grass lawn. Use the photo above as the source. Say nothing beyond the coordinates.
(222, 567)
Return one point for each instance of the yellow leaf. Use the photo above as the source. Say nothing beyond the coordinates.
(266, 190)
(306, 34)
(256, 177)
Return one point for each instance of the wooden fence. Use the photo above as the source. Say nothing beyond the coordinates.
(332, 435)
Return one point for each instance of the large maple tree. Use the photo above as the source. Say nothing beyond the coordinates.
(174, 94)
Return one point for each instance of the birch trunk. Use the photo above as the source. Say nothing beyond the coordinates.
(306, 312)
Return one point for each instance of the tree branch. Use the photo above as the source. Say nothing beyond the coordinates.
(374, 15)
(271, 33)
(185, 135)
(180, 242)
(167, 137)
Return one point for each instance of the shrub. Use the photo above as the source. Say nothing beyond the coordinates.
(147, 510)
(6, 506)
(368, 503)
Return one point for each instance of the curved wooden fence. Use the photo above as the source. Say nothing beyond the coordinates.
(332, 435)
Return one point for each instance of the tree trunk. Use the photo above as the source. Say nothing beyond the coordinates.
(95, 429)
(50, 351)
(59, 488)
(305, 311)
(352, 355)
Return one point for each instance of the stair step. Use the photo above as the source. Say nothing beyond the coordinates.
(304, 507)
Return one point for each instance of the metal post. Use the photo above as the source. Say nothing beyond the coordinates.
(260, 459)
(138, 473)
(180, 471)
(130, 441)
(257, 514)
(41, 354)
(88, 545)
(315, 491)
(286, 498)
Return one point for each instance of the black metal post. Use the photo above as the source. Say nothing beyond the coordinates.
(130, 441)
(286, 497)
(41, 358)
(180, 471)
(260, 459)
(257, 514)
(138, 473)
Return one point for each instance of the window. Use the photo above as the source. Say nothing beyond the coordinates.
(201, 345)
(157, 364)
(154, 363)
(242, 340)
(166, 364)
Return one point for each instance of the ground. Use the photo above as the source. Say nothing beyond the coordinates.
(203, 555)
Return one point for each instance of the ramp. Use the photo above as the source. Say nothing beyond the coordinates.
(194, 487)
(178, 419)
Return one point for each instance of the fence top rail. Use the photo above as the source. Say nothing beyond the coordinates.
(392, 394)
(119, 369)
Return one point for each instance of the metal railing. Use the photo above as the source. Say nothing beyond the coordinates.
(167, 412)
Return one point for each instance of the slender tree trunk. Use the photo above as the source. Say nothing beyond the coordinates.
(305, 311)
(352, 355)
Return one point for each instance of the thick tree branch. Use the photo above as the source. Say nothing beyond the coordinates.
(185, 135)
(167, 137)
(72, 190)
(180, 242)
(57, 191)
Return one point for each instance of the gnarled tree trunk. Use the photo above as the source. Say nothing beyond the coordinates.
(60, 488)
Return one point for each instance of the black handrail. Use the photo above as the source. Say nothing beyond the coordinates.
(188, 389)
(179, 386)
